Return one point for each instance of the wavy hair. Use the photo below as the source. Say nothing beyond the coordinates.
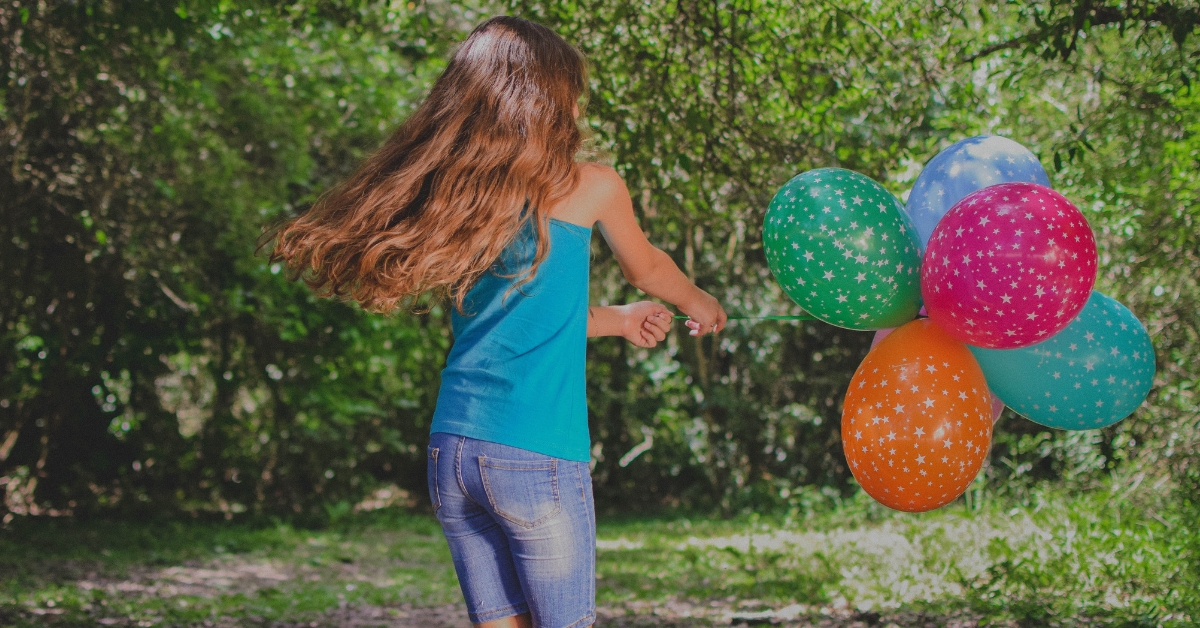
(491, 147)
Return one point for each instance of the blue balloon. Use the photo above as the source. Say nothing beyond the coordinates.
(967, 166)
(1093, 373)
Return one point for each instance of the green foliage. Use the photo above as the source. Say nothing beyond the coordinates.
(1060, 28)
(150, 362)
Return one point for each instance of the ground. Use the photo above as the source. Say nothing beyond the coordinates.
(1072, 561)
(240, 574)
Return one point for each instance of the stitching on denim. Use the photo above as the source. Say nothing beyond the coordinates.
(589, 507)
(487, 489)
(437, 491)
(554, 486)
(590, 618)
(582, 491)
(458, 469)
(503, 609)
(492, 464)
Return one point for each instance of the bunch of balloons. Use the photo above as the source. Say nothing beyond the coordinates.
(980, 292)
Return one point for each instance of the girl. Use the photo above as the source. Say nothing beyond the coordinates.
(478, 198)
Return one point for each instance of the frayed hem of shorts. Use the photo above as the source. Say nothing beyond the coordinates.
(500, 613)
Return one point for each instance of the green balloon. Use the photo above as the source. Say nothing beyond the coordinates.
(843, 249)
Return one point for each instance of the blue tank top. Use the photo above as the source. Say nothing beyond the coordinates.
(515, 374)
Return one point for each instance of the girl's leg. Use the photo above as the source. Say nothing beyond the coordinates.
(544, 507)
(479, 546)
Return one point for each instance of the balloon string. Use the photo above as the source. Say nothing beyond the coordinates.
(741, 317)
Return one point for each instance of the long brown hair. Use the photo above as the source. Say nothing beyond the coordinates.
(492, 147)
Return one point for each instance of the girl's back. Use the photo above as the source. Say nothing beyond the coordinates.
(516, 372)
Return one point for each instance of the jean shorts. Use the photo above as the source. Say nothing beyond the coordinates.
(521, 528)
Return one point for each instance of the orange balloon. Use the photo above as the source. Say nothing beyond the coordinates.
(917, 422)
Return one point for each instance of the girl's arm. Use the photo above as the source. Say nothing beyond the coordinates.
(644, 323)
(606, 201)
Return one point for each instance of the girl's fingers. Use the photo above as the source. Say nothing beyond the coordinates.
(699, 329)
(655, 329)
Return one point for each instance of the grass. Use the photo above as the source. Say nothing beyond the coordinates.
(1084, 560)
(1095, 559)
(180, 573)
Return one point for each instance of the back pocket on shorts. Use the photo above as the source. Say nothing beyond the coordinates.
(524, 492)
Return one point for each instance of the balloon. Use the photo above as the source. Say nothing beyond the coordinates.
(969, 165)
(917, 421)
(997, 404)
(843, 249)
(1093, 373)
(1008, 266)
(880, 335)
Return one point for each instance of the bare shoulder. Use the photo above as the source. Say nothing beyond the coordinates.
(599, 175)
(600, 187)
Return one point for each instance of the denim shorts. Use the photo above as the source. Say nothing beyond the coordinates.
(521, 528)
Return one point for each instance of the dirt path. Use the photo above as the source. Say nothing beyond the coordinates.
(669, 615)
(148, 587)
(455, 617)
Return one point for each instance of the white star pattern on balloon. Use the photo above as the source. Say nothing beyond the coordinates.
(916, 445)
(1035, 279)
(1093, 373)
(842, 248)
(963, 168)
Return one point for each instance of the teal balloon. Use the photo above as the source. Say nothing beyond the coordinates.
(842, 247)
(1093, 373)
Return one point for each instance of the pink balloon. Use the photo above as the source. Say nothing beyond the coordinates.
(880, 335)
(997, 405)
(1008, 266)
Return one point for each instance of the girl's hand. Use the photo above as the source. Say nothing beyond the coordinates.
(705, 314)
(645, 323)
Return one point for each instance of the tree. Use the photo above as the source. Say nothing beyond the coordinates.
(150, 360)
